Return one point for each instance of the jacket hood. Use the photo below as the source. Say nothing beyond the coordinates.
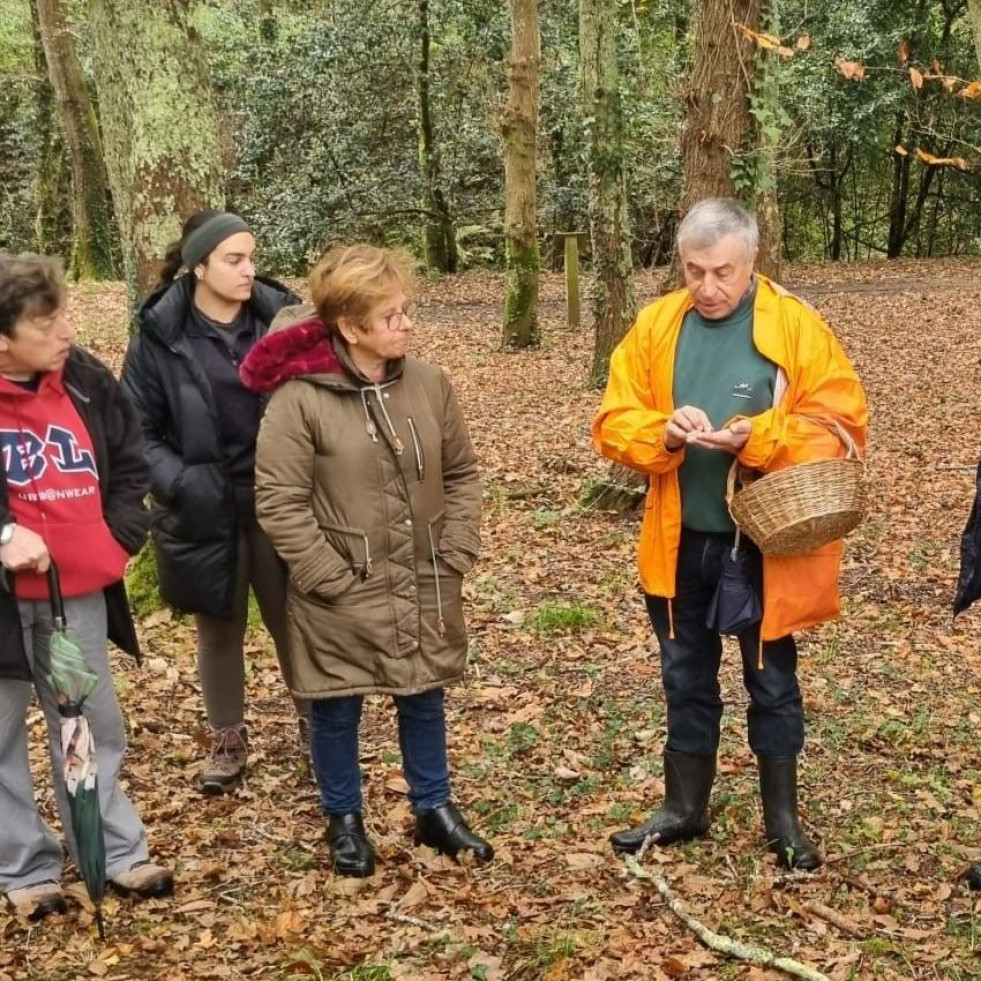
(299, 345)
(164, 312)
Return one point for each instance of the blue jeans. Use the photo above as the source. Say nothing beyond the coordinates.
(690, 664)
(422, 737)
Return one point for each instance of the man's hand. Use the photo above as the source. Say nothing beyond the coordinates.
(684, 422)
(25, 550)
(731, 439)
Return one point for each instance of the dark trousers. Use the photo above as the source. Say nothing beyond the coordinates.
(690, 664)
(334, 726)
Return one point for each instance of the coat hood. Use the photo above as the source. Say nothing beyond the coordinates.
(299, 345)
(164, 312)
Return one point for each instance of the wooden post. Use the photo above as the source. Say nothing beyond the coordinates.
(571, 268)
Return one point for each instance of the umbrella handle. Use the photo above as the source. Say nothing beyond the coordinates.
(54, 590)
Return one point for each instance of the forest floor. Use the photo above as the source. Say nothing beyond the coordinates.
(556, 734)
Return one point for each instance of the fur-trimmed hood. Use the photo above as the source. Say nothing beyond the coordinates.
(299, 345)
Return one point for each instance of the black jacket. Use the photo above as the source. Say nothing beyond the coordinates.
(969, 581)
(123, 483)
(193, 518)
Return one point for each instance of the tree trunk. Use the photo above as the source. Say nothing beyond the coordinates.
(52, 182)
(614, 303)
(438, 232)
(520, 131)
(974, 16)
(718, 124)
(94, 242)
(159, 125)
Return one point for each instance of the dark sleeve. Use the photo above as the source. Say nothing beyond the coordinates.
(142, 384)
(126, 511)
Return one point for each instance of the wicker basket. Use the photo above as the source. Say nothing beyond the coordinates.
(804, 506)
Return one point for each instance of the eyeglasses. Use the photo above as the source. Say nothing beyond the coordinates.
(396, 321)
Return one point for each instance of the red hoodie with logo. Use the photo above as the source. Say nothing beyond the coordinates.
(53, 488)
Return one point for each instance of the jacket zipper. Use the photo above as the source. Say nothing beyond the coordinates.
(420, 459)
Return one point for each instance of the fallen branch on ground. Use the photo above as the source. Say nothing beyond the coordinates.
(842, 922)
(717, 942)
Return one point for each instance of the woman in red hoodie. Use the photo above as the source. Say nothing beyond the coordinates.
(73, 485)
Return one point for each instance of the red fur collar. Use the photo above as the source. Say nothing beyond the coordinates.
(301, 349)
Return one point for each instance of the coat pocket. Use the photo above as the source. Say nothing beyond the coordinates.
(352, 545)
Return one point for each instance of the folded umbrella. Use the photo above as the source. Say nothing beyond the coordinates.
(73, 680)
(735, 605)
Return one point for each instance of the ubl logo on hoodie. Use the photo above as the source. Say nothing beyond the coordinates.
(26, 455)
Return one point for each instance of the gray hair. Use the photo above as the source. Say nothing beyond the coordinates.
(713, 219)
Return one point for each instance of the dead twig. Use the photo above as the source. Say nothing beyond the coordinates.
(842, 922)
(888, 846)
(719, 943)
(414, 921)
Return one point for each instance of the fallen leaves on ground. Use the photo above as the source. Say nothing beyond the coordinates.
(555, 736)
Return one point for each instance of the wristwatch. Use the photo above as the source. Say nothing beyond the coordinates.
(7, 532)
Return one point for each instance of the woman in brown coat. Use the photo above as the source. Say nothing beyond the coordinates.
(367, 484)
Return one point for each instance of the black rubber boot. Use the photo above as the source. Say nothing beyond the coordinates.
(973, 877)
(685, 812)
(785, 836)
(445, 830)
(350, 851)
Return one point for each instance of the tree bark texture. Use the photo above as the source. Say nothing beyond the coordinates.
(438, 231)
(520, 131)
(718, 122)
(160, 127)
(52, 182)
(94, 241)
(613, 298)
(974, 16)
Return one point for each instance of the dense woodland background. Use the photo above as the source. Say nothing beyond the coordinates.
(331, 120)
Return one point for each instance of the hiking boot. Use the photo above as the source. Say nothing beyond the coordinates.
(444, 829)
(685, 812)
(37, 901)
(226, 763)
(785, 837)
(145, 880)
(351, 852)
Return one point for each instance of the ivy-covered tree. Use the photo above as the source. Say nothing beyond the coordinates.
(614, 303)
(161, 132)
(94, 248)
(519, 128)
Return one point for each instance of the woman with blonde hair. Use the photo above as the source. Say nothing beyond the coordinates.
(367, 484)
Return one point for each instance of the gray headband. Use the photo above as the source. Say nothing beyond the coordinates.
(200, 243)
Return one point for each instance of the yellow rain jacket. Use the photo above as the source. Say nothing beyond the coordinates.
(816, 382)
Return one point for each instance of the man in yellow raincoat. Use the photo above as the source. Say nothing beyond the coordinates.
(729, 366)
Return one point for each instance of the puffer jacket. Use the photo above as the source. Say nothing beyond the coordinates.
(371, 495)
(193, 527)
(821, 388)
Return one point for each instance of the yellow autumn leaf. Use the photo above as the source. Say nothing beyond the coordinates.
(850, 70)
(916, 78)
(803, 42)
(970, 91)
(901, 150)
(902, 54)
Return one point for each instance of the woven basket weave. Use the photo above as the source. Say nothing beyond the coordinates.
(804, 506)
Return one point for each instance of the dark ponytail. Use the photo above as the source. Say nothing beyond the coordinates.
(172, 262)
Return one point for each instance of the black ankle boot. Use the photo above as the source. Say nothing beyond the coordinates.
(350, 851)
(445, 830)
(786, 838)
(685, 812)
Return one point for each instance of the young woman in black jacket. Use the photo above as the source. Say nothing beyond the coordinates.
(200, 426)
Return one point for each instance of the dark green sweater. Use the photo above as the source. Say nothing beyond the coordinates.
(718, 370)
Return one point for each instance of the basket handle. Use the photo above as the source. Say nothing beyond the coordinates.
(851, 450)
(851, 453)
